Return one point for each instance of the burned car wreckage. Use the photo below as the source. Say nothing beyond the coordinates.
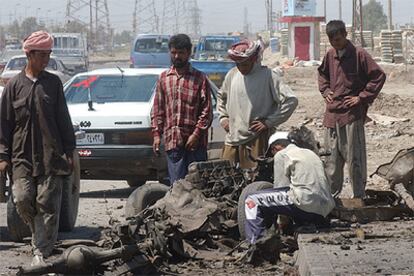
(196, 220)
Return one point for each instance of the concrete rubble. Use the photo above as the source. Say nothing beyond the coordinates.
(194, 227)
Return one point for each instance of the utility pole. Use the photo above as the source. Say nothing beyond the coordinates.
(340, 9)
(324, 9)
(246, 23)
(91, 36)
(390, 26)
(357, 24)
(269, 15)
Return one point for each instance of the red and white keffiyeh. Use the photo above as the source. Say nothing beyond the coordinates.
(243, 50)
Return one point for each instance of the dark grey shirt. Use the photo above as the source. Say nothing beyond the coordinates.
(36, 132)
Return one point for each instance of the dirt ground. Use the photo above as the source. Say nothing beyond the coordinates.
(103, 202)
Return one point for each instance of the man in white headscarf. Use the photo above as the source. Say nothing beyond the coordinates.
(251, 103)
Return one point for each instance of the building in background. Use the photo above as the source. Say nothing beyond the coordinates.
(303, 34)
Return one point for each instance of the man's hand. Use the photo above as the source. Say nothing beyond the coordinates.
(225, 124)
(257, 126)
(351, 101)
(70, 163)
(329, 97)
(192, 142)
(3, 166)
(156, 146)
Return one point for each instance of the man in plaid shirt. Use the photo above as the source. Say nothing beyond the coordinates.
(182, 110)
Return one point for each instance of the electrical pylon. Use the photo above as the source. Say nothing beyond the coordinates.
(144, 17)
(99, 26)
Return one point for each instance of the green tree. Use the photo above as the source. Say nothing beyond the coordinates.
(374, 18)
(75, 27)
(30, 25)
(14, 29)
(123, 37)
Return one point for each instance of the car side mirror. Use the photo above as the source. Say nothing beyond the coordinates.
(70, 71)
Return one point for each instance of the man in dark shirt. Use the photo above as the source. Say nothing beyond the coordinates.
(182, 111)
(37, 141)
(349, 81)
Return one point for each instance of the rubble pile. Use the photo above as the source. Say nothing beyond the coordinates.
(196, 221)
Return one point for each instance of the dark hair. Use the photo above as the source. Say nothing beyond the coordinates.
(282, 142)
(180, 41)
(335, 27)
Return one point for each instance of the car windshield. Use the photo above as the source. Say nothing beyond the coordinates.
(151, 45)
(20, 63)
(104, 89)
(7, 54)
(220, 45)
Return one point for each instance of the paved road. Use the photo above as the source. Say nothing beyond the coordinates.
(100, 202)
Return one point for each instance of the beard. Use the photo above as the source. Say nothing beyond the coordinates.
(178, 63)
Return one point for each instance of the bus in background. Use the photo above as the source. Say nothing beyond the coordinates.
(150, 51)
(71, 49)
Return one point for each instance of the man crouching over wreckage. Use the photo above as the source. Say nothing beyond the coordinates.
(301, 190)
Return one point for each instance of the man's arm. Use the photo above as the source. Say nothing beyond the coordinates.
(280, 176)
(206, 116)
(324, 80)
(284, 98)
(7, 124)
(222, 96)
(375, 75)
(64, 123)
(158, 115)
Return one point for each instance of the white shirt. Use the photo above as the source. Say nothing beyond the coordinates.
(302, 170)
(258, 95)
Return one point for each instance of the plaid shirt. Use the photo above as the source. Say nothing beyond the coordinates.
(182, 106)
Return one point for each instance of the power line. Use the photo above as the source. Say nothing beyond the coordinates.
(99, 27)
(144, 17)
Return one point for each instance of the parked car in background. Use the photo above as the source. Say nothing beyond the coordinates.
(150, 51)
(113, 107)
(7, 55)
(17, 63)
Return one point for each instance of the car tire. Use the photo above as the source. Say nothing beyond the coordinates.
(135, 182)
(249, 189)
(70, 198)
(16, 227)
(144, 196)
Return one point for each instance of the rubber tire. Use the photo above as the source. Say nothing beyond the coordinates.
(16, 227)
(144, 196)
(135, 183)
(70, 198)
(249, 189)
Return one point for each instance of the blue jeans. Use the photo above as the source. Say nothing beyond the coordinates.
(178, 160)
(270, 203)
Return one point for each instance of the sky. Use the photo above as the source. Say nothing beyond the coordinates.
(217, 16)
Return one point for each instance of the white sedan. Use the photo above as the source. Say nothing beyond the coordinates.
(113, 107)
(16, 64)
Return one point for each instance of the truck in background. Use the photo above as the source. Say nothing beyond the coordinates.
(210, 56)
(72, 50)
(150, 51)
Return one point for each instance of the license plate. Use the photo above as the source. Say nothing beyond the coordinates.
(92, 139)
(214, 77)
